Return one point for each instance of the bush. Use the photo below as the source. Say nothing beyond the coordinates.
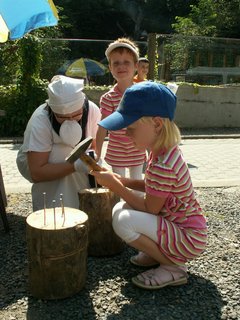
(19, 104)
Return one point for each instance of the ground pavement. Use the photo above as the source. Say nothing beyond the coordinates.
(212, 163)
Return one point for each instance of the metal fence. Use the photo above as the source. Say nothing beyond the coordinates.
(202, 60)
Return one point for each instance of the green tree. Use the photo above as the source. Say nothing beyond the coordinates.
(216, 18)
(53, 52)
(22, 98)
(23, 61)
(110, 19)
(8, 62)
(197, 41)
(228, 13)
(200, 21)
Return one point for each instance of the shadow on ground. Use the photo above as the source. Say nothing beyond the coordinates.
(108, 293)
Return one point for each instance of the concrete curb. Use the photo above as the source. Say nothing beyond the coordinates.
(19, 140)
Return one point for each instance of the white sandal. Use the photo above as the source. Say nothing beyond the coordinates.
(161, 277)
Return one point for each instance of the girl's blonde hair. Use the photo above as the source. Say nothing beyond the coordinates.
(169, 135)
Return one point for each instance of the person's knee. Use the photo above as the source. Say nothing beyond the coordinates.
(118, 220)
(122, 226)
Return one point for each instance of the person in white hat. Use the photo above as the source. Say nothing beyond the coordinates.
(52, 132)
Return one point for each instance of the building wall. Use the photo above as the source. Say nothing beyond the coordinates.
(201, 107)
(208, 107)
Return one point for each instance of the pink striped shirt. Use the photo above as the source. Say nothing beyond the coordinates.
(121, 152)
(168, 176)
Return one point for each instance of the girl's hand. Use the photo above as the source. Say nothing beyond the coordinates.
(107, 178)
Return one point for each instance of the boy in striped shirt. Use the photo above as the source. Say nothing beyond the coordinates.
(121, 153)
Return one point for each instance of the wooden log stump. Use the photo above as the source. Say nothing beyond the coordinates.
(57, 252)
(98, 204)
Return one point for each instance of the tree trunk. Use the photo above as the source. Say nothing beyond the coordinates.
(57, 252)
(151, 55)
(98, 204)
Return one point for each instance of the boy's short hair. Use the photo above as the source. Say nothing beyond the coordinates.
(120, 44)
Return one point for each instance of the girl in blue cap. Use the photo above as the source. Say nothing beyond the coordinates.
(166, 225)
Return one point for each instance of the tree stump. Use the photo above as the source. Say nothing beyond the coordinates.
(98, 204)
(57, 252)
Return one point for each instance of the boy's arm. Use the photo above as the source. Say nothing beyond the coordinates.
(101, 134)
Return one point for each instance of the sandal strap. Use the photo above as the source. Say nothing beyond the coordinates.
(173, 270)
(154, 277)
(146, 275)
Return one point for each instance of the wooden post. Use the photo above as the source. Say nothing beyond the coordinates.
(3, 203)
(197, 59)
(151, 54)
(98, 204)
(210, 59)
(224, 60)
(57, 252)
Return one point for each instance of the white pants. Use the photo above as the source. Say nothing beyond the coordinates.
(135, 172)
(129, 224)
(173, 240)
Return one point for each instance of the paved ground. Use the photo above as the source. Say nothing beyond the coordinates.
(212, 163)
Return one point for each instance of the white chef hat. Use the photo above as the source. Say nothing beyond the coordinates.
(65, 94)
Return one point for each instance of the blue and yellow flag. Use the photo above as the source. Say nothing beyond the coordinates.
(18, 17)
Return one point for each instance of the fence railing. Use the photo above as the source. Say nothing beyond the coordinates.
(202, 60)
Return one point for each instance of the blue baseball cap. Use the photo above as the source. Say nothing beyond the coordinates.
(144, 99)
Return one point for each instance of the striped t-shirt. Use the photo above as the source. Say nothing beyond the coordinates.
(168, 176)
(121, 152)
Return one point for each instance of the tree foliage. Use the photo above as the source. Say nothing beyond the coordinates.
(228, 13)
(215, 18)
(110, 19)
(22, 61)
(200, 21)
(199, 38)
(21, 99)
